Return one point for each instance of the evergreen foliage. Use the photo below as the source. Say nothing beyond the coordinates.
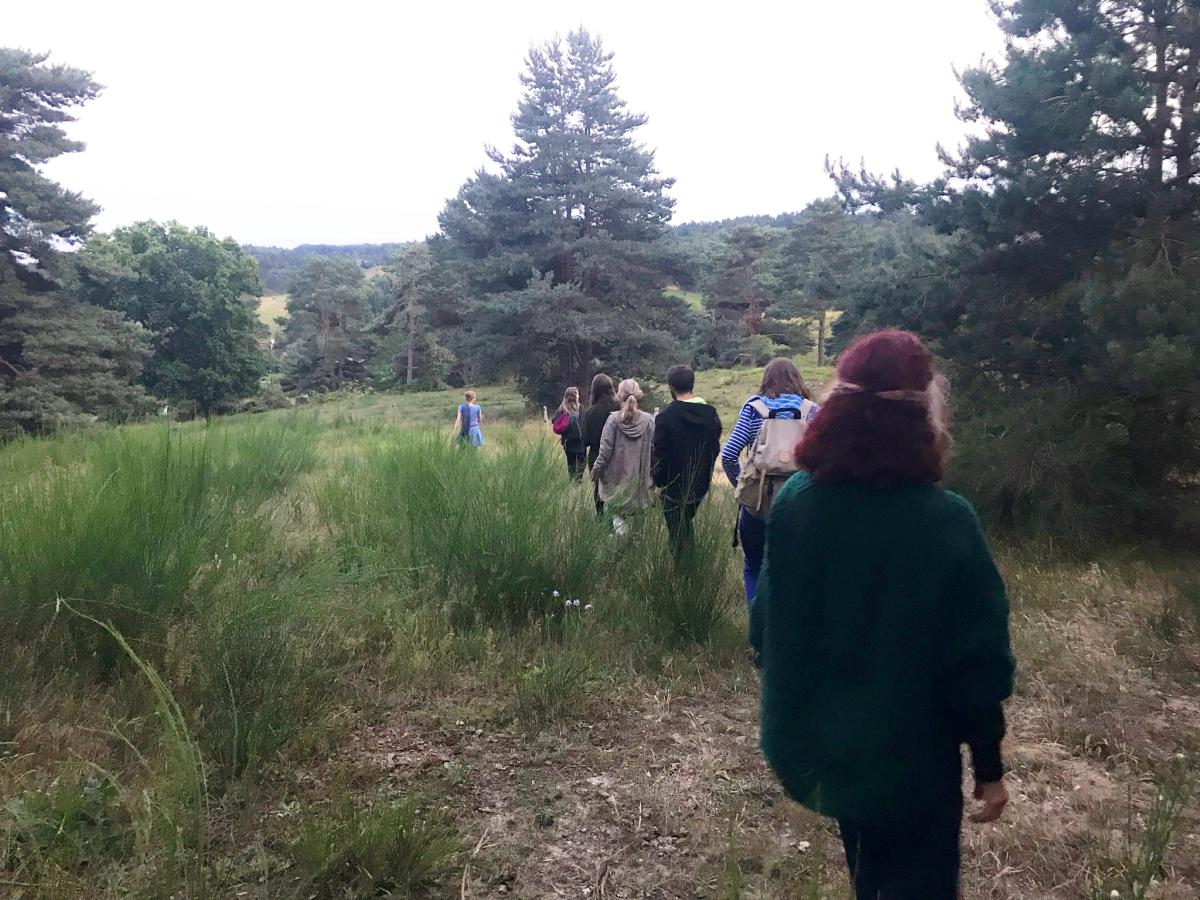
(1069, 277)
(556, 247)
(324, 338)
(61, 362)
(411, 352)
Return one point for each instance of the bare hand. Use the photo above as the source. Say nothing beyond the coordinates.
(994, 797)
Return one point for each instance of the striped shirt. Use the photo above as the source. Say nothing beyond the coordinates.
(750, 422)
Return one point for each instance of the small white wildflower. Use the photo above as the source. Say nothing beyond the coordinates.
(1115, 895)
(567, 603)
(803, 846)
(574, 602)
(586, 608)
(557, 595)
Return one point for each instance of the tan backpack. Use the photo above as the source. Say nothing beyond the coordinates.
(771, 460)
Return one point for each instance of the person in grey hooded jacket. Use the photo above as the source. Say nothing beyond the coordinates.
(622, 469)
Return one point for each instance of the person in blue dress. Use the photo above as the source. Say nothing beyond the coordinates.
(469, 421)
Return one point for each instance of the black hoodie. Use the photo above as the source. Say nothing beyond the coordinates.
(687, 441)
(593, 425)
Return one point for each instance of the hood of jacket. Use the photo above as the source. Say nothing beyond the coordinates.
(694, 412)
(636, 429)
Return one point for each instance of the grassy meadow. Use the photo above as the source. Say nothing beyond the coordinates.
(325, 652)
(271, 308)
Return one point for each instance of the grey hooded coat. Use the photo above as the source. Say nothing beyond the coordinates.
(622, 467)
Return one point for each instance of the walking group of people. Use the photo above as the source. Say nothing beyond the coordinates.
(877, 615)
(630, 452)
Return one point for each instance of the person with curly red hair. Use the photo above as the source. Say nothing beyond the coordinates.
(881, 627)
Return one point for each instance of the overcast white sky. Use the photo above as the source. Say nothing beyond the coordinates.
(352, 121)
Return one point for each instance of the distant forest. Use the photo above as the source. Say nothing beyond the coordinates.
(277, 265)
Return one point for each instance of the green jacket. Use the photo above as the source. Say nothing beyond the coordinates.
(881, 624)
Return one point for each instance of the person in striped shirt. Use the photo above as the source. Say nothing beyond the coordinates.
(783, 390)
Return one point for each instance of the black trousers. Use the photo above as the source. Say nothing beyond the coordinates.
(591, 460)
(914, 858)
(576, 463)
(679, 513)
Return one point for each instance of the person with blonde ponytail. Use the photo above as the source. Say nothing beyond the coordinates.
(622, 469)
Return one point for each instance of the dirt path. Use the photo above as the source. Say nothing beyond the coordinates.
(653, 797)
(660, 796)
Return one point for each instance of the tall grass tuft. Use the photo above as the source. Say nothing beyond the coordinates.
(490, 535)
(389, 849)
(552, 687)
(1146, 840)
(170, 813)
(126, 525)
(685, 600)
(257, 675)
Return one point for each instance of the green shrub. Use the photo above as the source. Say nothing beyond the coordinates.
(1055, 462)
(1146, 839)
(390, 848)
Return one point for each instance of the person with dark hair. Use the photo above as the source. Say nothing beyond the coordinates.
(783, 394)
(603, 404)
(882, 629)
(687, 440)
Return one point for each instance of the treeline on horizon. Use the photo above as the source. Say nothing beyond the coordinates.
(1053, 269)
(278, 265)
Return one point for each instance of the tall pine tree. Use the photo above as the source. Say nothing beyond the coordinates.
(61, 362)
(324, 338)
(1069, 300)
(557, 245)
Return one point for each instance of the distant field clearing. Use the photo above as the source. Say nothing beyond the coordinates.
(270, 308)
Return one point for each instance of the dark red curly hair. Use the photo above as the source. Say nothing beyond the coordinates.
(883, 423)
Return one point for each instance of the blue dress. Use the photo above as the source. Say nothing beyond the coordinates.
(470, 432)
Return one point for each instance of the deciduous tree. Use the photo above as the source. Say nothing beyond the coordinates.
(197, 295)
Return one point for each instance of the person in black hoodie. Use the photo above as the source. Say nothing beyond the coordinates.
(603, 404)
(687, 442)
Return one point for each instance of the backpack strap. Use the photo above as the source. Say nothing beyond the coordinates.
(767, 413)
(794, 410)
